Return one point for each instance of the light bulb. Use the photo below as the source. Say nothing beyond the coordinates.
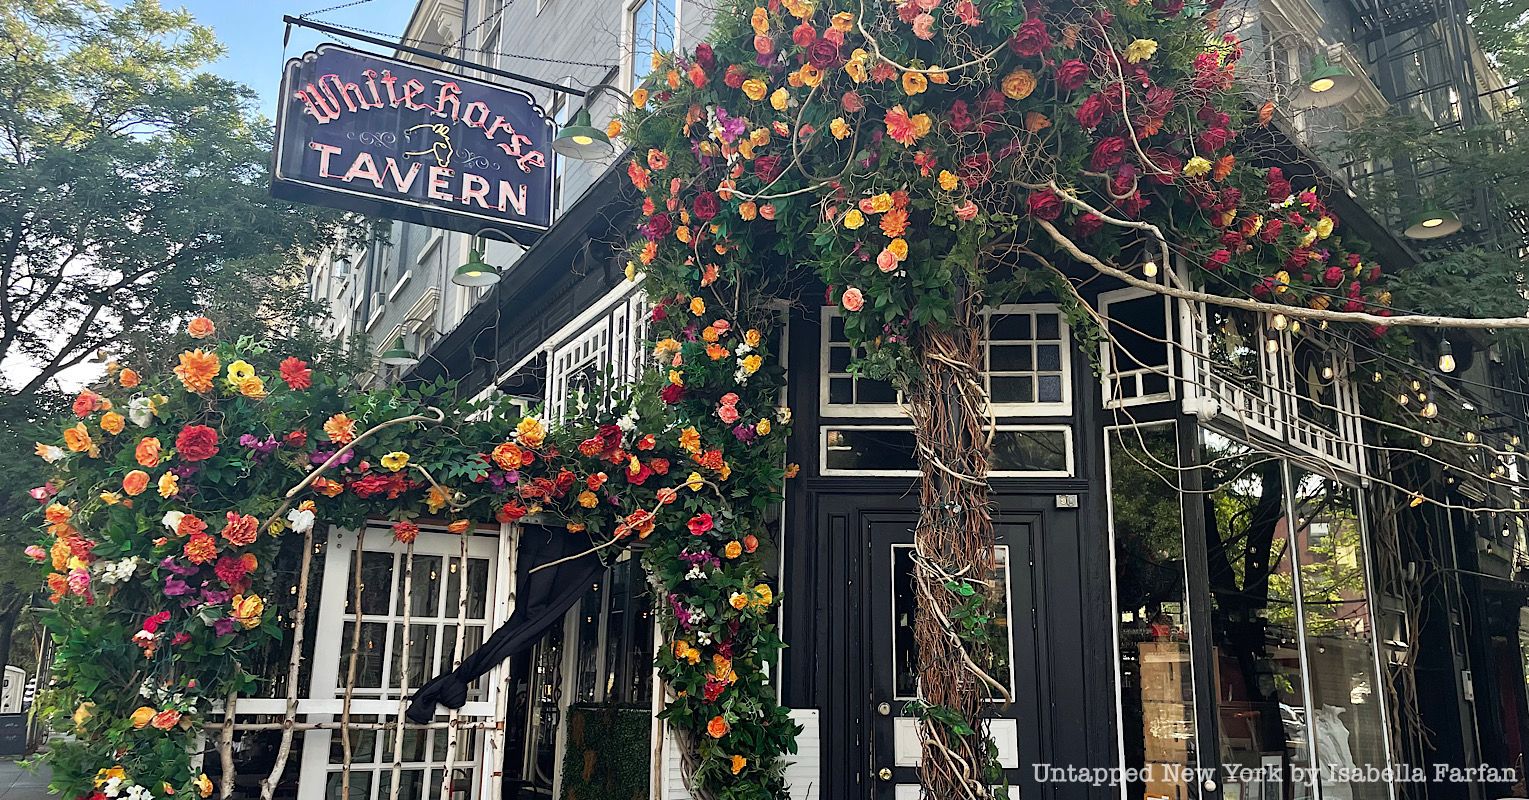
(1295, 326)
(1281, 322)
(1446, 356)
(1271, 342)
(1149, 268)
(1417, 386)
(1327, 373)
(1430, 410)
(1426, 440)
(1375, 377)
(1470, 436)
(1402, 398)
(1513, 440)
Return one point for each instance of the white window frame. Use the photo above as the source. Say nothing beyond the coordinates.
(323, 699)
(618, 323)
(629, 78)
(826, 471)
(1111, 377)
(1062, 408)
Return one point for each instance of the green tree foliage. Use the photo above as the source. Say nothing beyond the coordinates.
(131, 181)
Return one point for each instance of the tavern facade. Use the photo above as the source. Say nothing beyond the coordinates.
(1202, 600)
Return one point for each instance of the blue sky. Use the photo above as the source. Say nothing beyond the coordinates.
(251, 30)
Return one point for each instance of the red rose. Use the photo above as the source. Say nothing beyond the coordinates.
(1159, 100)
(1218, 260)
(196, 443)
(1088, 225)
(1271, 230)
(1279, 188)
(768, 168)
(823, 54)
(705, 56)
(734, 76)
(1091, 113)
(511, 512)
(1168, 8)
(1044, 205)
(672, 393)
(1071, 74)
(699, 524)
(803, 35)
(1031, 38)
(851, 103)
(1213, 139)
(296, 439)
(1108, 154)
(1333, 276)
(658, 226)
(706, 206)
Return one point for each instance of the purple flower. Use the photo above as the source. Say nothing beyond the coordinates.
(745, 433)
(175, 587)
(215, 596)
(263, 447)
(732, 127)
(170, 564)
(320, 456)
(224, 626)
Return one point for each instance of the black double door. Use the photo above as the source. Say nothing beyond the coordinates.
(1062, 713)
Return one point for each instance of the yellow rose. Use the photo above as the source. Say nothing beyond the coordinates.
(169, 485)
(922, 124)
(1018, 85)
(752, 337)
(247, 610)
(82, 713)
(203, 786)
(842, 21)
(748, 210)
(732, 549)
(779, 98)
(763, 596)
(948, 180)
(855, 66)
(1324, 230)
(914, 83)
(588, 499)
(760, 21)
(810, 76)
(395, 461)
(694, 482)
(755, 89)
(854, 219)
(881, 203)
(738, 601)
(640, 98)
(697, 306)
(899, 248)
(1140, 50)
(252, 387)
(751, 364)
(763, 427)
(141, 717)
(1196, 167)
(839, 128)
(531, 431)
(759, 137)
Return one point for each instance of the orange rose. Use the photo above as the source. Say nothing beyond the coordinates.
(78, 440)
(507, 456)
(167, 719)
(717, 728)
(141, 717)
(113, 423)
(128, 378)
(200, 328)
(135, 482)
(197, 370)
(147, 451)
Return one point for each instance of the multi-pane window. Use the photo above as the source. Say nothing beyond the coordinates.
(1137, 363)
(609, 347)
(1024, 356)
(653, 23)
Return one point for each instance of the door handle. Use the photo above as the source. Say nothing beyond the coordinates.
(884, 708)
(885, 773)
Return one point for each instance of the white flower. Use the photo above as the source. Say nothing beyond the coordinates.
(742, 349)
(112, 787)
(696, 574)
(172, 519)
(118, 571)
(703, 637)
(141, 411)
(50, 452)
(136, 792)
(301, 519)
(741, 376)
(697, 616)
(628, 421)
(783, 415)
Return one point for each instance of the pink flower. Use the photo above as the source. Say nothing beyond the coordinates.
(886, 260)
(728, 414)
(923, 27)
(967, 11)
(729, 399)
(852, 299)
(967, 211)
(36, 553)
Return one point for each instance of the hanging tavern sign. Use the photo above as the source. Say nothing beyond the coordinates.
(381, 136)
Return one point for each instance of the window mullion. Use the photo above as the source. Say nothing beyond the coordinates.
(1292, 525)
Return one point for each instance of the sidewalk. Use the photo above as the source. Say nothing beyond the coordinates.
(20, 784)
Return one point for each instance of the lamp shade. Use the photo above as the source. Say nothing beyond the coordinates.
(1433, 224)
(582, 140)
(398, 355)
(1326, 85)
(476, 272)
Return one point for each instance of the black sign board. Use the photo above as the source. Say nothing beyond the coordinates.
(381, 136)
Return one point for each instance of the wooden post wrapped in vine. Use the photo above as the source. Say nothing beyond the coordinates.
(954, 558)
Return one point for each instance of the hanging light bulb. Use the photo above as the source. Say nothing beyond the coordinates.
(1149, 268)
(1375, 377)
(1295, 326)
(1417, 386)
(1513, 440)
(1430, 410)
(1403, 398)
(1327, 373)
(1281, 322)
(1321, 324)
(1426, 440)
(1470, 437)
(1271, 342)
(1446, 357)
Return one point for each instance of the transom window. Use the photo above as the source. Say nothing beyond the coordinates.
(1025, 357)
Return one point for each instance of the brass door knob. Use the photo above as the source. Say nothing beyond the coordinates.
(884, 709)
(885, 773)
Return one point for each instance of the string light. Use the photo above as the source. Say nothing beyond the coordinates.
(1446, 357)
(1417, 386)
(1426, 440)
(1430, 410)
(1271, 341)
(1401, 399)
(1376, 377)
(1281, 322)
(1470, 437)
(1295, 326)
(1327, 373)
(1149, 269)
